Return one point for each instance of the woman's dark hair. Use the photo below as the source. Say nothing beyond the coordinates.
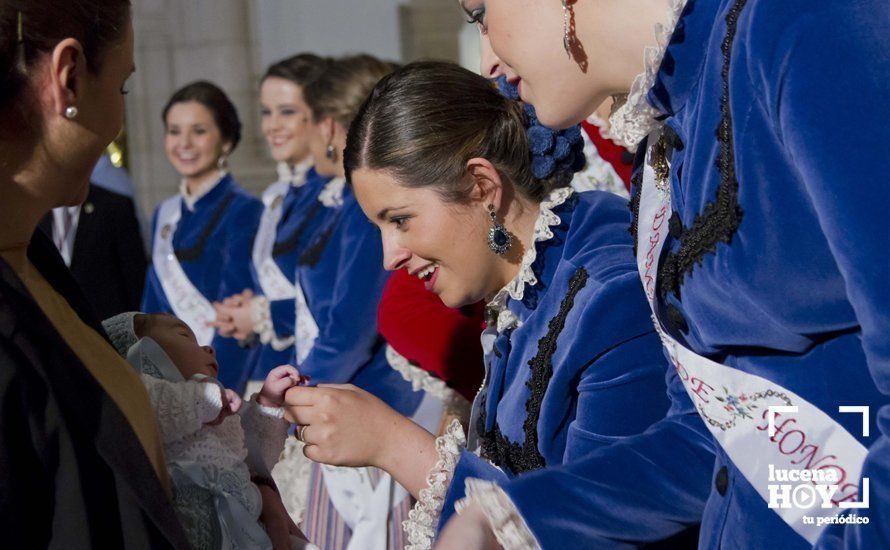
(423, 122)
(96, 24)
(343, 86)
(217, 102)
(301, 69)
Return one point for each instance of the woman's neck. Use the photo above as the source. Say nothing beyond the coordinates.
(630, 30)
(20, 212)
(196, 183)
(520, 222)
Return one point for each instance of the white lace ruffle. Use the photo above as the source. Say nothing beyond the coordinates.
(420, 527)
(332, 194)
(516, 288)
(634, 120)
(292, 474)
(603, 125)
(295, 176)
(422, 380)
(263, 326)
(509, 528)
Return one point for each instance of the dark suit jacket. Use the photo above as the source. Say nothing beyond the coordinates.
(108, 259)
(72, 472)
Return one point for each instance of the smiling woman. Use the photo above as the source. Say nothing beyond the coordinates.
(76, 439)
(201, 238)
(568, 339)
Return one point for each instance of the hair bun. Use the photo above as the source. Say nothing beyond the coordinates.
(553, 152)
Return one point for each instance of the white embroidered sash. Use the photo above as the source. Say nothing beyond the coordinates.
(274, 284)
(364, 506)
(734, 403)
(306, 330)
(186, 301)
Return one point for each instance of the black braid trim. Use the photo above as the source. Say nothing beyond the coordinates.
(287, 245)
(313, 253)
(721, 218)
(194, 253)
(526, 457)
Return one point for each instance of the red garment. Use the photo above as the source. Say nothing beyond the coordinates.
(620, 158)
(442, 341)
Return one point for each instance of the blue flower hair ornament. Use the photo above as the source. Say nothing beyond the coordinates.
(553, 152)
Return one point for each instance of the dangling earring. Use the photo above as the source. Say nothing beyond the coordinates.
(329, 152)
(499, 239)
(566, 39)
(223, 163)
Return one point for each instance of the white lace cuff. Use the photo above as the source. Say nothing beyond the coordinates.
(420, 527)
(209, 402)
(420, 379)
(263, 326)
(504, 518)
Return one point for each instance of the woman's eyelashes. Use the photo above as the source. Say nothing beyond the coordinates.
(477, 17)
(401, 222)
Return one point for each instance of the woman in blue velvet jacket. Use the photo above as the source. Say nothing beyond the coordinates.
(291, 216)
(202, 237)
(762, 247)
(440, 163)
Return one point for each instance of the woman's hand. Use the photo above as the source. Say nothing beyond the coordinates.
(234, 316)
(343, 425)
(468, 531)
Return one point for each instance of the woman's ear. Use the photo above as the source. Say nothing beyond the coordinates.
(327, 127)
(66, 78)
(487, 185)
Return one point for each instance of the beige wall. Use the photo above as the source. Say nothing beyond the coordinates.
(230, 42)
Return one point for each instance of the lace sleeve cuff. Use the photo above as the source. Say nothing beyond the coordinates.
(263, 326)
(420, 527)
(504, 518)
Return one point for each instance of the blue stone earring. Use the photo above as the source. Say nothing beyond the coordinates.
(499, 239)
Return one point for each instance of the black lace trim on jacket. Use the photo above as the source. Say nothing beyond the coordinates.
(313, 253)
(721, 218)
(286, 246)
(495, 445)
(193, 253)
(634, 205)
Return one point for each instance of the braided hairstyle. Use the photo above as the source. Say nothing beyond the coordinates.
(424, 122)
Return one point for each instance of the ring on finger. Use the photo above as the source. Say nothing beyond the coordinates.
(300, 431)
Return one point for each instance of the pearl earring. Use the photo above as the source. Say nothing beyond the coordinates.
(70, 112)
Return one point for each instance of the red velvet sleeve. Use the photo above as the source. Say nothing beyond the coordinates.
(441, 340)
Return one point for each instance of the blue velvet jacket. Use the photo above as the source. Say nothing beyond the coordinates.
(213, 244)
(301, 215)
(576, 365)
(777, 266)
(342, 277)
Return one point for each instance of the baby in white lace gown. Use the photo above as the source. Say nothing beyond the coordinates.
(213, 442)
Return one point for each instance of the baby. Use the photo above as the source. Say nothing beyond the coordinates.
(214, 443)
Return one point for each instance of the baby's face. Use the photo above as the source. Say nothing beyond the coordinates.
(180, 344)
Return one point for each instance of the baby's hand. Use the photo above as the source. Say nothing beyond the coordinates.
(279, 380)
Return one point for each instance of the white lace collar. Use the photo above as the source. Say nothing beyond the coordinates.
(634, 120)
(191, 199)
(332, 194)
(516, 288)
(295, 176)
